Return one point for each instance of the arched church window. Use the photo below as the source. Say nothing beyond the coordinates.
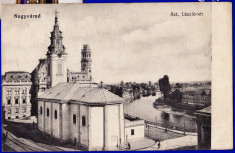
(8, 100)
(16, 100)
(74, 119)
(83, 121)
(55, 114)
(41, 110)
(47, 111)
(59, 67)
(48, 69)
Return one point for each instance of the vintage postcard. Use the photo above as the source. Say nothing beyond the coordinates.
(116, 77)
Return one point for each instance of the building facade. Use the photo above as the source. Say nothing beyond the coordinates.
(16, 94)
(199, 97)
(134, 130)
(204, 128)
(91, 116)
(53, 69)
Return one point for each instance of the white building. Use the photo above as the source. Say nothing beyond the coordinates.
(92, 115)
(134, 130)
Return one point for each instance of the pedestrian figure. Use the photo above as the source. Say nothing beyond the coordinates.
(129, 146)
(159, 145)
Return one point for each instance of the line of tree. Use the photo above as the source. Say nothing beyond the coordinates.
(135, 88)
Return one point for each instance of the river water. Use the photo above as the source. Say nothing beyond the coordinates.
(144, 109)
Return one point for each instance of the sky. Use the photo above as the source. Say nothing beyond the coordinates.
(129, 42)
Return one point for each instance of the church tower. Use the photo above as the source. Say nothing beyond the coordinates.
(86, 61)
(56, 58)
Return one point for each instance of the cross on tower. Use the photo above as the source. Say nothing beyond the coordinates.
(56, 13)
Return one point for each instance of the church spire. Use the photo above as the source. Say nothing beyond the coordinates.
(56, 21)
(56, 46)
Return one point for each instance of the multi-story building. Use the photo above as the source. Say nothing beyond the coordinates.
(16, 94)
(201, 97)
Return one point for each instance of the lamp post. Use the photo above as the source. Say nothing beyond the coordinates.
(184, 122)
(148, 130)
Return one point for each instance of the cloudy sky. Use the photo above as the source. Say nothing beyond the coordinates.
(129, 42)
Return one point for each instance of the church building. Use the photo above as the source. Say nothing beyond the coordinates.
(91, 116)
(71, 108)
(53, 69)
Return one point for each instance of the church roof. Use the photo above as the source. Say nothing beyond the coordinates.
(74, 93)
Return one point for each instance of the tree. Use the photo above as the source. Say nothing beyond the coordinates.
(178, 85)
(122, 83)
(177, 96)
(150, 83)
(164, 86)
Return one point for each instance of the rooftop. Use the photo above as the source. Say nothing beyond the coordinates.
(16, 76)
(75, 93)
(206, 110)
(16, 72)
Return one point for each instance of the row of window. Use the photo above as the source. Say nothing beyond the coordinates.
(86, 55)
(17, 110)
(19, 76)
(74, 116)
(16, 99)
(197, 98)
(78, 77)
(16, 117)
(16, 91)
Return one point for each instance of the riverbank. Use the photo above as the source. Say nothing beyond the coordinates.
(187, 108)
(172, 128)
(164, 117)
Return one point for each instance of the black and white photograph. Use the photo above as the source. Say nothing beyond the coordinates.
(107, 77)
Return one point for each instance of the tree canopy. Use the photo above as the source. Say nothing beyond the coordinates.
(164, 86)
(177, 96)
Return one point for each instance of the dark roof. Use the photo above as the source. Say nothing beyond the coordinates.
(198, 92)
(16, 76)
(16, 72)
(191, 93)
(76, 93)
(206, 110)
